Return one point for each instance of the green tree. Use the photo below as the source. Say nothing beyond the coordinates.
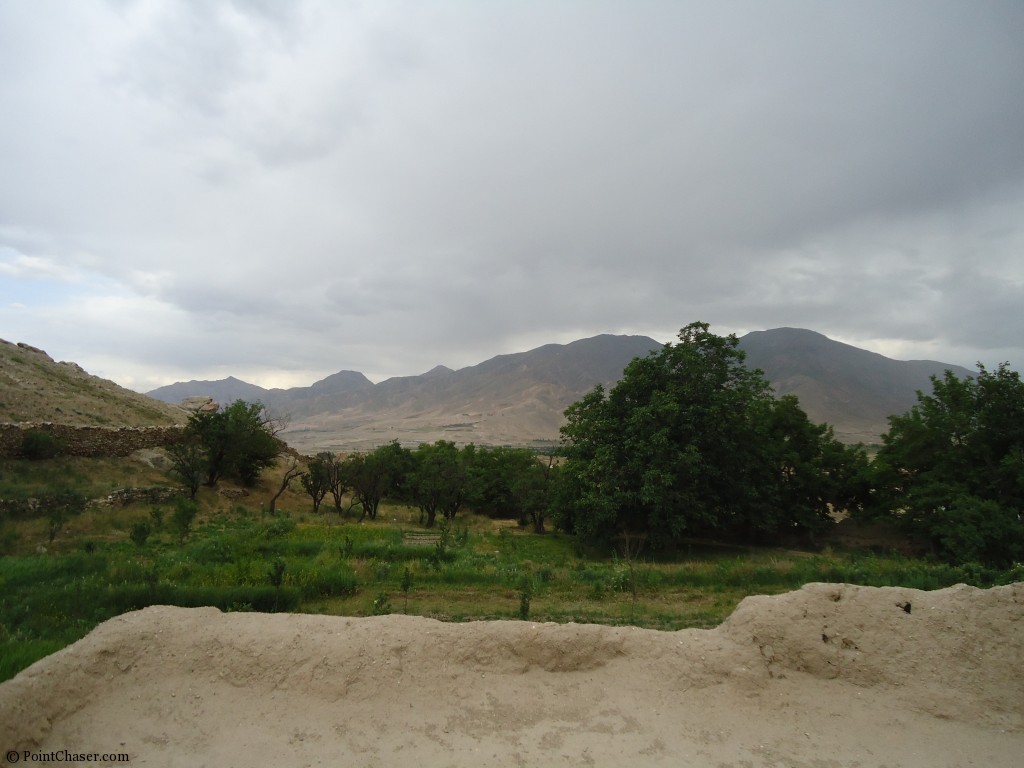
(293, 470)
(438, 480)
(491, 479)
(239, 441)
(337, 482)
(316, 480)
(188, 464)
(812, 472)
(375, 475)
(691, 442)
(510, 484)
(534, 490)
(951, 470)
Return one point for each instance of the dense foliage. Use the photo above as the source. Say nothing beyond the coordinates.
(440, 479)
(690, 442)
(952, 469)
(239, 441)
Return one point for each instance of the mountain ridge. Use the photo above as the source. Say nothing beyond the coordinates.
(519, 398)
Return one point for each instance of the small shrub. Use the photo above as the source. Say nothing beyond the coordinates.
(37, 445)
(445, 540)
(8, 537)
(276, 576)
(139, 533)
(281, 526)
(382, 605)
(621, 581)
(156, 514)
(60, 507)
(525, 595)
(184, 513)
(151, 576)
(276, 573)
(406, 586)
(325, 581)
(212, 552)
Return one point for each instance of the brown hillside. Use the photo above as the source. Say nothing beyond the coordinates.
(34, 388)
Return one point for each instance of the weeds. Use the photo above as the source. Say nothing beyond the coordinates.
(382, 605)
(233, 558)
(525, 596)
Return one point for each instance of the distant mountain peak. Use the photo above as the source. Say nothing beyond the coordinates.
(439, 370)
(341, 381)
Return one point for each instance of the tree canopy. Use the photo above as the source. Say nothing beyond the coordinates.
(238, 441)
(438, 481)
(691, 442)
(952, 469)
(375, 475)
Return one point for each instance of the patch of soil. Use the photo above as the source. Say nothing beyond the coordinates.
(830, 675)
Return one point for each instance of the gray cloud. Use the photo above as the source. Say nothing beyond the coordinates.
(283, 190)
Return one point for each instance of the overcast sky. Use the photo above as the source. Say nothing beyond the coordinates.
(281, 190)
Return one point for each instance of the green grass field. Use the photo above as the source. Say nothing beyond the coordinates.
(487, 570)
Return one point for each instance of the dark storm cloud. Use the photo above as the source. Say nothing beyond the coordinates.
(386, 186)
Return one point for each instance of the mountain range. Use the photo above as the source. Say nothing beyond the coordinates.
(519, 398)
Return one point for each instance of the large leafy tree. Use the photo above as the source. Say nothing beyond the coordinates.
(188, 463)
(439, 479)
(375, 475)
(238, 441)
(532, 487)
(691, 442)
(952, 469)
(812, 473)
(509, 484)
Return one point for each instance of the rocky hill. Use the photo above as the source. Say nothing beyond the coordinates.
(35, 388)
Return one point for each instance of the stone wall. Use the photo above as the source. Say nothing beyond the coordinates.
(24, 509)
(90, 441)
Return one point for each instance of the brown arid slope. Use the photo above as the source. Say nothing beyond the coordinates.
(34, 388)
(515, 399)
(852, 389)
(826, 677)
